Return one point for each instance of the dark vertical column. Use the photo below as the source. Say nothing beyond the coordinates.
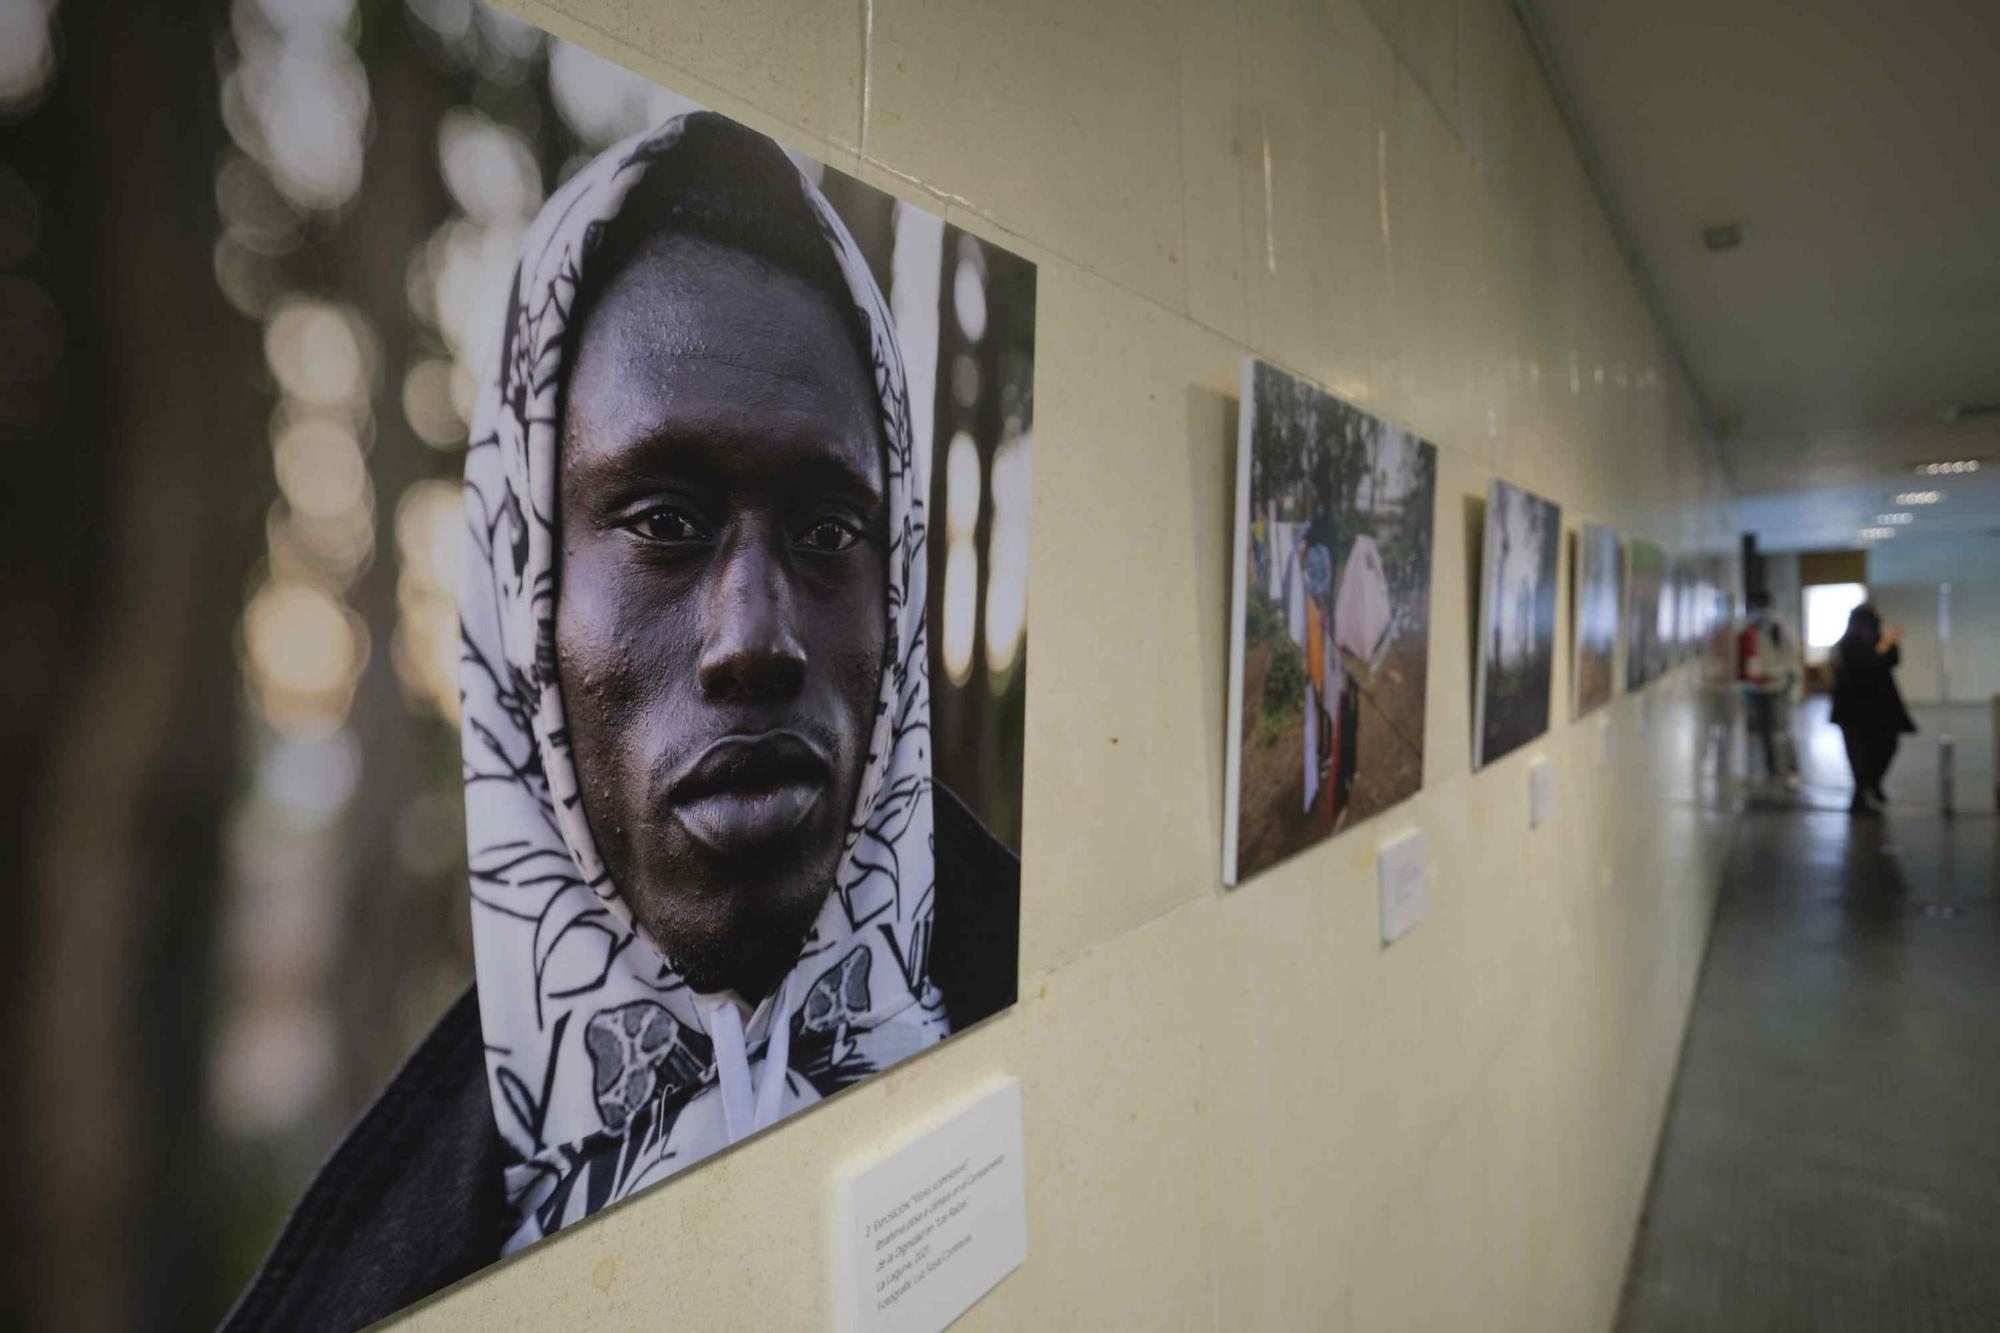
(123, 864)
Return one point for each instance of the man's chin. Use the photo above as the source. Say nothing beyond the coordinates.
(742, 936)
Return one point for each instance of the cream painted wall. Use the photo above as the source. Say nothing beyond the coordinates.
(1903, 579)
(1241, 1111)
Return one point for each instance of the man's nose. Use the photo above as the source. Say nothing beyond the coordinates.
(752, 649)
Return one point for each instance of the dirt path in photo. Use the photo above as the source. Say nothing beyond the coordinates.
(1273, 826)
(1389, 760)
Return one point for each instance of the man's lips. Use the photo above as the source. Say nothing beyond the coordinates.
(745, 792)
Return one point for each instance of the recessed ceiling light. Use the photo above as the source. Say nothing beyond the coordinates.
(1896, 520)
(1919, 497)
(1953, 468)
(1877, 534)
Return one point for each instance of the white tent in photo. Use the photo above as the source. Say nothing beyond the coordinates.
(1361, 610)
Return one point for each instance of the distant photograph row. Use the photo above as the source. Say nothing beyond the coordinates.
(1331, 617)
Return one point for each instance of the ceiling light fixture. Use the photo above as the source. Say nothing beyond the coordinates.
(1954, 468)
(1877, 534)
(1919, 497)
(1895, 520)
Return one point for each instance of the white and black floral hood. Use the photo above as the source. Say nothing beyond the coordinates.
(607, 1072)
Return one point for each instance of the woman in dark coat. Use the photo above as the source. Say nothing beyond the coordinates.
(1867, 706)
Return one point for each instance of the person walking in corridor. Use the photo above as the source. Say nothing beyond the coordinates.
(1867, 706)
(1768, 665)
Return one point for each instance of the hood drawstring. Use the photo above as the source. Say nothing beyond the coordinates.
(748, 1105)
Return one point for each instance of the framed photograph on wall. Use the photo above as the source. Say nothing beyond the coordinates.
(1673, 613)
(1517, 620)
(598, 664)
(1648, 612)
(1329, 618)
(1594, 617)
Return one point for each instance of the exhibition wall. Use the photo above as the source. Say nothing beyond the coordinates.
(1240, 1108)
(1903, 579)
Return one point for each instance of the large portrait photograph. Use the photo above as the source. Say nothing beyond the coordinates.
(1330, 629)
(1517, 621)
(528, 595)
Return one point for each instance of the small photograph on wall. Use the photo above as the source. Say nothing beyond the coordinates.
(1691, 574)
(1716, 618)
(580, 546)
(1673, 599)
(1595, 616)
(1648, 612)
(1517, 620)
(1694, 604)
(1330, 635)
(1676, 618)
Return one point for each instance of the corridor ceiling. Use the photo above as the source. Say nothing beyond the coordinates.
(1857, 145)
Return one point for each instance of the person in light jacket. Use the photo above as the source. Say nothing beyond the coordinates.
(1771, 671)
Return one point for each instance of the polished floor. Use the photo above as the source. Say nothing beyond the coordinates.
(1831, 1159)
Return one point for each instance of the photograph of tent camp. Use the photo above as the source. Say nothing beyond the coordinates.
(1330, 626)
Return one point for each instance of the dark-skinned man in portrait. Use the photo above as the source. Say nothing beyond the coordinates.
(713, 880)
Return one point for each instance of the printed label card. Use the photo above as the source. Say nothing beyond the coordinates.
(929, 1227)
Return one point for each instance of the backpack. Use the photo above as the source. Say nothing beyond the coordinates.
(1749, 660)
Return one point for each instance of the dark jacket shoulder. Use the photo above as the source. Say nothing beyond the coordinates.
(1865, 693)
(411, 1201)
(976, 923)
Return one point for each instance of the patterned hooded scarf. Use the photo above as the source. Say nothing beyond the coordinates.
(608, 1073)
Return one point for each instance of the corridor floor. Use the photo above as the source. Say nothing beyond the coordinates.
(1831, 1159)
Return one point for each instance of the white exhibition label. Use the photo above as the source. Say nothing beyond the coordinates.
(1403, 868)
(931, 1226)
(1541, 791)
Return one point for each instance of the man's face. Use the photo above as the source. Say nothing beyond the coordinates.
(721, 613)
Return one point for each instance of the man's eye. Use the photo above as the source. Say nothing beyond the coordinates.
(668, 525)
(829, 534)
